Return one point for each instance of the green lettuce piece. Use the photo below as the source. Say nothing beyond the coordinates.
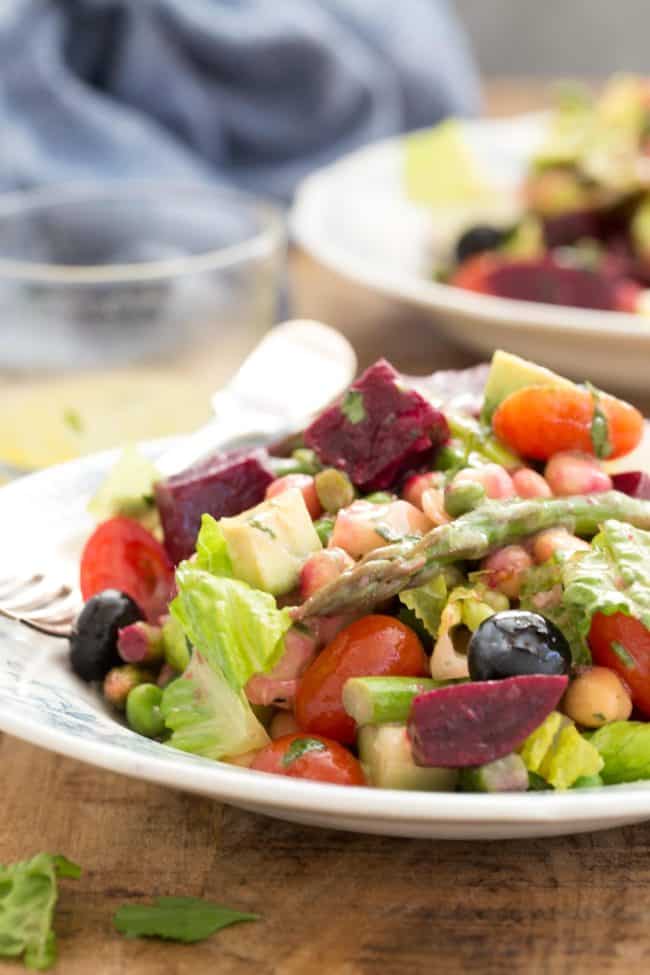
(558, 753)
(207, 716)
(186, 919)
(128, 490)
(539, 582)
(211, 549)
(28, 894)
(239, 629)
(536, 746)
(571, 757)
(614, 577)
(427, 602)
(625, 749)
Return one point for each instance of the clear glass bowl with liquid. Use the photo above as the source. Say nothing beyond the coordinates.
(123, 307)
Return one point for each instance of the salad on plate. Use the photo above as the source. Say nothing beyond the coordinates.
(582, 237)
(440, 584)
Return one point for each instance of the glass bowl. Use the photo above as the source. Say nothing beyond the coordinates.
(123, 307)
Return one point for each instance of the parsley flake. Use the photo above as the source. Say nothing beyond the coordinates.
(185, 919)
(626, 659)
(352, 406)
(300, 747)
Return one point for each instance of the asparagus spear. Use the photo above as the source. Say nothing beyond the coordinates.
(386, 571)
(377, 700)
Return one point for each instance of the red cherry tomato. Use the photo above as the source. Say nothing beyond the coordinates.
(623, 644)
(309, 757)
(474, 273)
(539, 421)
(372, 647)
(121, 554)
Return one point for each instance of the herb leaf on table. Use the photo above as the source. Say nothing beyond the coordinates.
(185, 919)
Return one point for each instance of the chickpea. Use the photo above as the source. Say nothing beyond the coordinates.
(417, 484)
(596, 697)
(506, 569)
(433, 505)
(555, 541)
(571, 472)
(492, 477)
(529, 484)
(283, 723)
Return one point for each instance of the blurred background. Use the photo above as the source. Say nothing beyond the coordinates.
(150, 152)
(530, 39)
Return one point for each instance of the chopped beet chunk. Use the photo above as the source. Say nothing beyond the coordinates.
(379, 428)
(223, 485)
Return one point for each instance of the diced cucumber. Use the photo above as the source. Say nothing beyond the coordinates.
(385, 753)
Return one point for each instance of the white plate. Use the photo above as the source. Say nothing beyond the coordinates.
(42, 524)
(353, 217)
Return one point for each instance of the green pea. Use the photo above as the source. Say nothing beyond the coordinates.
(175, 646)
(451, 456)
(380, 497)
(334, 489)
(461, 498)
(143, 710)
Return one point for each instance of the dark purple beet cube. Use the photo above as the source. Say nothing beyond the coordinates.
(223, 485)
(377, 429)
(634, 483)
(553, 284)
(475, 723)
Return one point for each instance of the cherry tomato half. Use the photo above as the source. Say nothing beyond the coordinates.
(623, 644)
(121, 554)
(539, 421)
(372, 647)
(308, 757)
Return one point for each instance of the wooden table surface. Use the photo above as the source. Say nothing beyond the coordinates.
(331, 902)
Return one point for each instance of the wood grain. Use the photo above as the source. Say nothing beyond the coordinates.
(331, 902)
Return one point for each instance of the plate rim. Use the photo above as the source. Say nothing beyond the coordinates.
(312, 201)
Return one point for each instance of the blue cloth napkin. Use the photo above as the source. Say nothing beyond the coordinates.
(251, 92)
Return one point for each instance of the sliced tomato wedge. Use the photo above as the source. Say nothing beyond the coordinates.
(121, 554)
(622, 643)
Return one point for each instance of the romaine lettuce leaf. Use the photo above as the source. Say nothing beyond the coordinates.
(238, 629)
(557, 752)
(542, 592)
(207, 716)
(28, 893)
(625, 749)
(128, 490)
(211, 549)
(614, 577)
(427, 602)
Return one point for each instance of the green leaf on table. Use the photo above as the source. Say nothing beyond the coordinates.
(28, 894)
(185, 919)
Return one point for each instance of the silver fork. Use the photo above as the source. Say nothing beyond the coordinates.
(40, 603)
(295, 370)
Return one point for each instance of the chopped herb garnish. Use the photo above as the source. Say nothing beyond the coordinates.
(176, 919)
(387, 533)
(352, 406)
(599, 428)
(300, 747)
(626, 659)
(261, 527)
(72, 419)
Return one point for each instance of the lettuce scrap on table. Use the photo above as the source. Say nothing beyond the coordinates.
(28, 895)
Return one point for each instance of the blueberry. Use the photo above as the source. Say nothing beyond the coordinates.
(477, 240)
(93, 642)
(515, 643)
